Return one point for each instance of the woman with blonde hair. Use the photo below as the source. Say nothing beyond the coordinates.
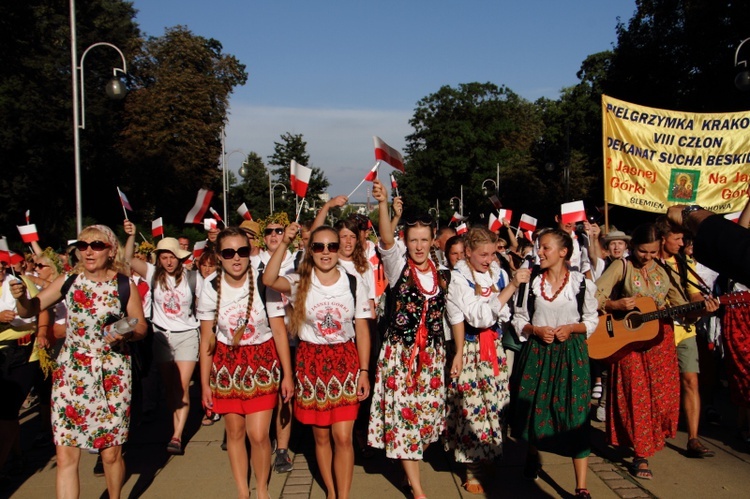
(91, 390)
(330, 312)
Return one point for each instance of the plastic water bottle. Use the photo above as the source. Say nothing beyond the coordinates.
(121, 327)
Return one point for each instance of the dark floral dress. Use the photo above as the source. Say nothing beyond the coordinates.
(91, 386)
(408, 404)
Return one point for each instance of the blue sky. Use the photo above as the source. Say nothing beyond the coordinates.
(339, 72)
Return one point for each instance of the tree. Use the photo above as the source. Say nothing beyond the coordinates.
(174, 119)
(292, 147)
(461, 134)
(252, 189)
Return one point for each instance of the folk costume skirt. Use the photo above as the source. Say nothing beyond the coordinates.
(326, 388)
(552, 409)
(735, 329)
(245, 379)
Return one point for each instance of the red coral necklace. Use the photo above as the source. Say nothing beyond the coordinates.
(414, 271)
(559, 290)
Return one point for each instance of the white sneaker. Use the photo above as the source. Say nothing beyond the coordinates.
(601, 413)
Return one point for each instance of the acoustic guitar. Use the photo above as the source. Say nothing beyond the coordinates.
(618, 334)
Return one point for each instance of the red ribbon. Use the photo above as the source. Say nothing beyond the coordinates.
(420, 343)
(487, 351)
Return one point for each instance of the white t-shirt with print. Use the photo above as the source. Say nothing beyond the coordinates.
(171, 307)
(368, 278)
(330, 314)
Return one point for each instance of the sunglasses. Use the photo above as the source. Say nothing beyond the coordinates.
(421, 220)
(40, 266)
(228, 253)
(277, 230)
(320, 247)
(95, 245)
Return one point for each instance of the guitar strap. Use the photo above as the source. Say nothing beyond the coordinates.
(683, 287)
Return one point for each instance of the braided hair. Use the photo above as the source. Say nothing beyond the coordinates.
(476, 237)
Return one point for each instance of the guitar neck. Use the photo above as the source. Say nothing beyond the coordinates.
(673, 312)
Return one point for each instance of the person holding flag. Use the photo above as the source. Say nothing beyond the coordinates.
(407, 410)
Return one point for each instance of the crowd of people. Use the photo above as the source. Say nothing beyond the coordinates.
(391, 339)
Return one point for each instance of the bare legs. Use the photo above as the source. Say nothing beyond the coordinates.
(336, 461)
(580, 466)
(411, 468)
(67, 482)
(691, 402)
(176, 377)
(114, 469)
(255, 426)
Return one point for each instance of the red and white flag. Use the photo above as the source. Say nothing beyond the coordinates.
(462, 229)
(244, 212)
(384, 152)
(373, 173)
(527, 223)
(157, 228)
(394, 184)
(505, 215)
(573, 212)
(496, 202)
(28, 217)
(198, 249)
(494, 223)
(6, 255)
(202, 201)
(28, 233)
(456, 218)
(299, 177)
(210, 224)
(215, 214)
(734, 217)
(529, 235)
(124, 200)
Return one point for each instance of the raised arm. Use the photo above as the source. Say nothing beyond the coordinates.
(138, 265)
(29, 307)
(320, 219)
(271, 276)
(384, 218)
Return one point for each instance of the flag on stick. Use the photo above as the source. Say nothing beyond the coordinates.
(462, 229)
(216, 215)
(496, 202)
(244, 212)
(573, 212)
(28, 233)
(371, 175)
(527, 223)
(198, 249)
(195, 215)
(299, 177)
(494, 223)
(28, 217)
(505, 215)
(456, 218)
(124, 202)
(209, 223)
(384, 152)
(157, 228)
(394, 184)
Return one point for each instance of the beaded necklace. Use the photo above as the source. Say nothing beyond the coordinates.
(559, 290)
(414, 270)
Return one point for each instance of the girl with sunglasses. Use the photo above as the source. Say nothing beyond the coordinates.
(479, 394)
(91, 390)
(330, 312)
(407, 410)
(241, 360)
(175, 326)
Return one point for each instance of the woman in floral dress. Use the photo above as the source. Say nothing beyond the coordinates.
(553, 400)
(330, 313)
(241, 358)
(91, 386)
(478, 395)
(408, 404)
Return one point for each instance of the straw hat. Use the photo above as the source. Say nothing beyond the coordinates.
(616, 235)
(173, 246)
(251, 226)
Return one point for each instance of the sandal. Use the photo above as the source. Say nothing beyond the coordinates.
(210, 418)
(596, 393)
(696, 449)
(638, 472)
(174, 446)
(583, 493)
(533, 467)
(473, 486)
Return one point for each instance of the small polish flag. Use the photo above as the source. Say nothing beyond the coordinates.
(299, 177)
(394, 184)
(462, 229)
(529, 235)
(384, 152)
(734, 217)
(456, 218)
(527, 223)
(28, 217)
(157, 228)
(494, 223)
(195, 215)
(124, 200)
(209, 223)
(496, 202)
(373, 173)
(215, 214)
(244, 212)
(505, 215)
(198, 249)
(28, 233)
(573, 212)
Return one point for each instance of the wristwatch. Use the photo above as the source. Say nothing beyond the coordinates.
(686, 211)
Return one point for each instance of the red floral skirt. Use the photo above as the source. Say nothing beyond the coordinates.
(245, 379)
(736, 331)
(326, 388)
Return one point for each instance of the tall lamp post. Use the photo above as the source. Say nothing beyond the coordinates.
(115, 90)
(742, 80)
(224, 159)
(271, 188)
(486, 191)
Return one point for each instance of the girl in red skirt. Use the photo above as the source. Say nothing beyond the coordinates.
(330, 312)
(241, 360)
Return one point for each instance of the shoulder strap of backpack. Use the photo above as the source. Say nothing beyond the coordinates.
(67, 284)
(580, 296)
(123, 291)
(531, 298)
(297, 258)
(353, 288)
(261, 287)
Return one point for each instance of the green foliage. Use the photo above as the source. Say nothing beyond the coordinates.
(252, 190)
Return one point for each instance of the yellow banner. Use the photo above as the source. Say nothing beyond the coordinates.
(655, 158)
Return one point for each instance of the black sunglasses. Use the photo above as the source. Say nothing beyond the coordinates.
(319, 247)
(95, 245)
(421, 220)
(40, 266)
(277, 230)
(228, 253)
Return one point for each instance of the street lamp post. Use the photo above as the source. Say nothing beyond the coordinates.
(271, 191)
(115, 90)
(485, 191)
(224, 159)
(742, 80)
